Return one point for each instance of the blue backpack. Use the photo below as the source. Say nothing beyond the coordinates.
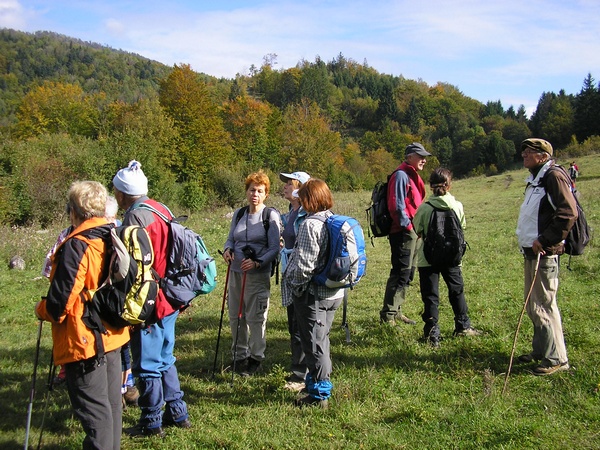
(347, 260)
(191, 271)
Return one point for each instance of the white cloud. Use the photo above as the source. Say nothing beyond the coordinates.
(11, 14)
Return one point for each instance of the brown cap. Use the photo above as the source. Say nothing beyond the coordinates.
(539, 145)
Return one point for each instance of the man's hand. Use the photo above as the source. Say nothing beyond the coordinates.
(538, 248)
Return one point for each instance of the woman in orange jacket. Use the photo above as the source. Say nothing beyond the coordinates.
(92, 359)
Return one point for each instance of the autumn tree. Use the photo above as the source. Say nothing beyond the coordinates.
(58, 108)
(204, 143)
(247, 121)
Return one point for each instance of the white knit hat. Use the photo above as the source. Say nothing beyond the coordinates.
(131, 180)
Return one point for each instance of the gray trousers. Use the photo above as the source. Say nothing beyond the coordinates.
(95, 394)
(315, 318)
(548, 340)
(252, 339)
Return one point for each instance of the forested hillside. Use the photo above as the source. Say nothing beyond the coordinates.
(71, 109)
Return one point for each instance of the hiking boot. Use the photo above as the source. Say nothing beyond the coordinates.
(406, 320)
(294, 383)
(543, 370)
(431, 340)
(140, 430)
(468, 332)
(251, 368)
(310, 401)
(295, 378)
(240, 365)
(526, 358)
(185, 424)
(388, 322)
(131, 396)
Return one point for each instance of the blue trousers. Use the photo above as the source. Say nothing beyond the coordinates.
(154, 367)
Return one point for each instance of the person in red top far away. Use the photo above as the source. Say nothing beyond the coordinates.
(406, 192)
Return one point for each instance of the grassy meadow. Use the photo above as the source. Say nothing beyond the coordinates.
(390, 391)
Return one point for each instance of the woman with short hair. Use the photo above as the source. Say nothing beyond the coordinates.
(92, 359)
(251, 246)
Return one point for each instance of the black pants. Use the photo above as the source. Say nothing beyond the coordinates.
(429, 279)
(95, 393)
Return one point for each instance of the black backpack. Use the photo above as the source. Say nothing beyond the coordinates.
(378, 214)
(579, 235)
(266, 214)
(444, 245)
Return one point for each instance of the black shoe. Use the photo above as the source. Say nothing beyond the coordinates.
(185, 423)
(310, 401)
(140, 430)
(527, 358)
(240, 366)
(252, 368)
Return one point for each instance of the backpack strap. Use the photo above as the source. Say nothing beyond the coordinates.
(266, 214)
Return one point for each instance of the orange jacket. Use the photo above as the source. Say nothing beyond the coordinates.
(77, 266)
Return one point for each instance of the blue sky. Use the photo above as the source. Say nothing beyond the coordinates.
(509, 50)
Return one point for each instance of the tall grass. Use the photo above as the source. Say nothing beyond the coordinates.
(390, 391)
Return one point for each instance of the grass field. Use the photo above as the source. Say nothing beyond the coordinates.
(390, 392)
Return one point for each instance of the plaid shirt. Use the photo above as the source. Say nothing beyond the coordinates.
(308, 258)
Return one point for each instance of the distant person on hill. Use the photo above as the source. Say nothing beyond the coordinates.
(406, 192)
(573, 172)
(291, 224)
(314, 305)
(547, 214)
(429, 277)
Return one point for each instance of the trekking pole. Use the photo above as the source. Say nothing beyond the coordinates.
(33, 377)
(237, 332)
(50, 385)
(221, 321)
(345, 316)
(512, 353)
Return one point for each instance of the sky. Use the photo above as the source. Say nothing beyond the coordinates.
(507, 50)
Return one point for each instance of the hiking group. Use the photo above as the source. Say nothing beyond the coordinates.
(428, 235)
(320, 254)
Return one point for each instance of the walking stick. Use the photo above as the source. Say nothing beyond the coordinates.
(221, 321)
(512, 353)
(33, 377)
(237, 332)
(50, 385)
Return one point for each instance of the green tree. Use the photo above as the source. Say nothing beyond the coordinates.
(309, 144)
